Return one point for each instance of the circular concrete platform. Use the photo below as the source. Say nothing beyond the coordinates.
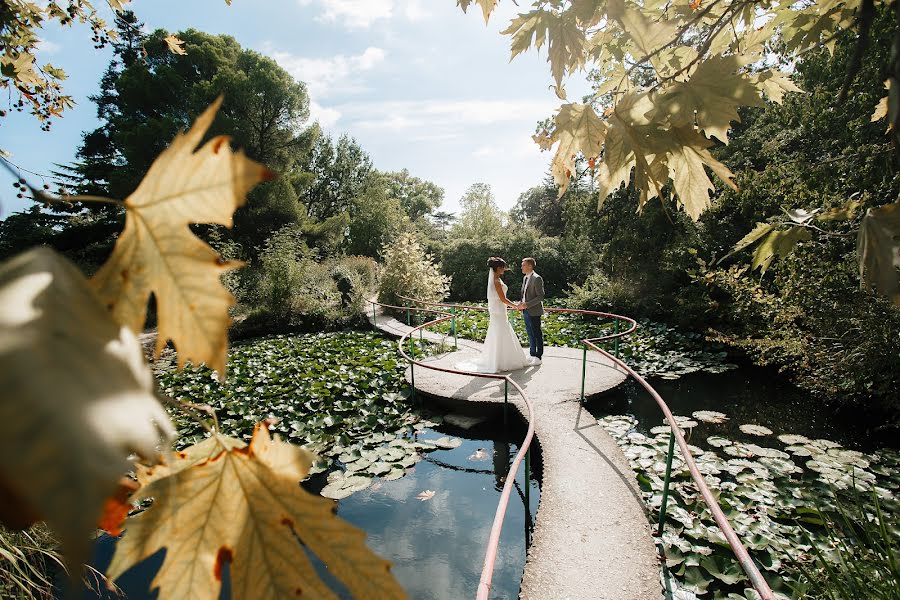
(557, 379)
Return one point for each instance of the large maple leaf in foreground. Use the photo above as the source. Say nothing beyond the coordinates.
(158, 254)
(223, 501)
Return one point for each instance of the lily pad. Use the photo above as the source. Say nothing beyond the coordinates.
(343, 487)
(792, 439)
(757, 430)
(709, 416)
(394, 474)
(718, 442)
(447, 443)
(379, 468)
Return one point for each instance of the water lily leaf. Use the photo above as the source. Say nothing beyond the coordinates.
(345, 486)
(800, 450)
(709, 416)
(724, 569)
(446, 443)
(755, 450)
(394, 474)
(379, 468)
(718, 442)
(758, 430)
(793, 439)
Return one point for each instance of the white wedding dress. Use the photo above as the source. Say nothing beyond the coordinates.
(502, 350)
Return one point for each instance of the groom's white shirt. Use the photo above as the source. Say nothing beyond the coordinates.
(525, 286)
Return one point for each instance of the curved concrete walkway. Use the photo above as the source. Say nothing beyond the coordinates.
(592, 537)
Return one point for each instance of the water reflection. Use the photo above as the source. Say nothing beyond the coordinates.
(746, 395)
(502, 461)
(437, 545)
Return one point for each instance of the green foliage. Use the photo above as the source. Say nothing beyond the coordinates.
(778, 495)
(340, 171)
(409, 271)
(480, 219)
(417, 197)
(376, 215)
(465, 261)
(867, 565)
(287, 288)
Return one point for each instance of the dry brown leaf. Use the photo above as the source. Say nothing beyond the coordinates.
(222, 501)
(76, 397)
(158, 254)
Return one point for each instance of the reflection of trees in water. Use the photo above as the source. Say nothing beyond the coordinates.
(501, 464)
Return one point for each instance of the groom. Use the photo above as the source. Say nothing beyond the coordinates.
(532, 307)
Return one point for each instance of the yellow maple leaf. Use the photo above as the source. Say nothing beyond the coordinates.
(226, 502)
(710, 97)
(685, 161)
(631, 144)
(774, 84)
(76, 397)
(157, 253)
(175, 45)
(881, 110)
(487, 6)
(578, 129)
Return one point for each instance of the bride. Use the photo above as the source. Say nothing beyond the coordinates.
(502, 350)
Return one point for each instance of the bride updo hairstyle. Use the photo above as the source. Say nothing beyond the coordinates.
(496, 262)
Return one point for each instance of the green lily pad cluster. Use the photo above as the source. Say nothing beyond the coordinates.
(654, 349)
(774, 494)
(362, 462)
(342, 395)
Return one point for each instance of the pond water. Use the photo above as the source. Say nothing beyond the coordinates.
(746, 395)
(436, 545)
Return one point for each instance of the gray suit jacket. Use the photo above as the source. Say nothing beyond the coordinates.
(534, 295)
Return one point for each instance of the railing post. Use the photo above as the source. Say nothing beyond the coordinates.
(583, 371)
(528, 484)
(665, 498)
(505, 400)
(407, 317)
(616, 340)
(453, 327)
(412, 379)
(374, 318)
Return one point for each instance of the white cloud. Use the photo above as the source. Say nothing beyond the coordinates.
(326, 116)
(48, 47)
(332, 74)
(414, 11)
(353, 14)
(362, 14)
(436, 114)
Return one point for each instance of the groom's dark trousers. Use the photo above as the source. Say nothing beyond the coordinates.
(535, 335)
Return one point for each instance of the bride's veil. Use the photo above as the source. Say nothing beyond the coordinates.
(493, 300)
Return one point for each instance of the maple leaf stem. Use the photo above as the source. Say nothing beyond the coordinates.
(192, 410)
(675, 39)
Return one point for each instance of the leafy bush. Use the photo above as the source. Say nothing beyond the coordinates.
(465, 261)
(600, 292)
(409, 271)
(287, 289)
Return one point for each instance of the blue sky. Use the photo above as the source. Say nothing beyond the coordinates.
(419, 84)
